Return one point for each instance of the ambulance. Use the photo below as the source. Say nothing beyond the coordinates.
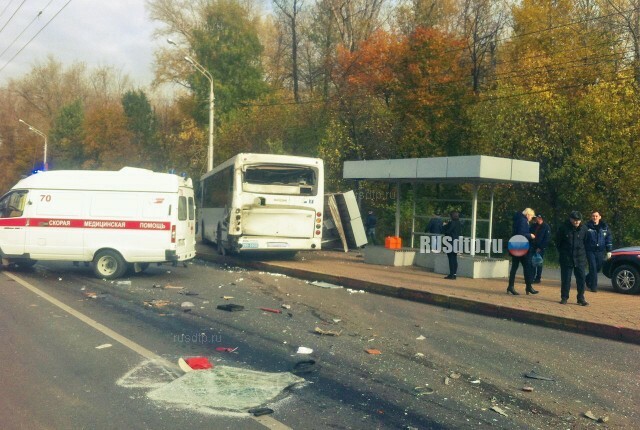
(120, 221)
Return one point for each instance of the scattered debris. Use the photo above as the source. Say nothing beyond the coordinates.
(156, 303)
(373, 351)
(424, 391)
(228, 297)
(419, 355)
(304, 366)
(591, 416)
(171, 287)
(183, 365)
(454, 375)
(104, 345)
(230, 307)
(187, 306)
(199, 363)
(327, 332)
(336, 320)
(527, 389)
(257, 412)
(304, 350)
(498, 410)
(123, 282)
(534, 375)
(421, 337)
(188, 293)
(286, 306)
(274, 311)
(226, 349)
(447, 381)
(93, 295)
(350, 291)
(475, 381)
(325, 285)
(157, 286)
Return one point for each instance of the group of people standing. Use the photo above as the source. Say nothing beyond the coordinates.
(579, 245)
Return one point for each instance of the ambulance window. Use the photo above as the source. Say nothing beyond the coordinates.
(12, 205)
(182, 208)
(192, 209)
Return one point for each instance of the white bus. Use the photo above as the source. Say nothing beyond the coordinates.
(258, 202)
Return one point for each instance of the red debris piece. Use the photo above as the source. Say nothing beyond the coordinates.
(275, 311)
(199, 363)
(225, 349)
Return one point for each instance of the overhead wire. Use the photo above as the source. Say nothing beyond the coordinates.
(14, 14)
(25, 29)
(34, 36)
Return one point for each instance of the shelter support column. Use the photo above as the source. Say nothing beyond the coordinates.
(413, 218)
(474, 219)
(491, 220)
(397, 232)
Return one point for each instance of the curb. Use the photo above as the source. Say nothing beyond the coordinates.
(622, 334)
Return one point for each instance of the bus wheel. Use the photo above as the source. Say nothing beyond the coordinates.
(108, 264)
(219, 244)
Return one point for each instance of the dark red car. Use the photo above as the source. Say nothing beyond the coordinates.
(623, 268)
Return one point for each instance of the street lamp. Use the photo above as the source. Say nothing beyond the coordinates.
(207, 75)
(45, 166)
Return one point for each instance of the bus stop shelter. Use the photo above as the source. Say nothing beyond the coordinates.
(477, 170)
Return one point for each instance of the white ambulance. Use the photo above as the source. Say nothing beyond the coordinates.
(118, 220)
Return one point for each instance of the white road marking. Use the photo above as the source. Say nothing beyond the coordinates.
(264, 420)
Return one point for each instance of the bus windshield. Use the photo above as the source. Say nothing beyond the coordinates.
(279, 175)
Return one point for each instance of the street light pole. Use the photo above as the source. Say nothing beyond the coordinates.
(209, 77)
(45, 166)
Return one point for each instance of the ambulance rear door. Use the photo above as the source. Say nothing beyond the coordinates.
(186, 224)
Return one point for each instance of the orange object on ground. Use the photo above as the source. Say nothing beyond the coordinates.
(199, 363)
(393, 242)
(373, 351)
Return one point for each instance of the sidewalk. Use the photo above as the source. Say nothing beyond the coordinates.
(610, 315)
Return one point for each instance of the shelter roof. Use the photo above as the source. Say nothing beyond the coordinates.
(462, 169)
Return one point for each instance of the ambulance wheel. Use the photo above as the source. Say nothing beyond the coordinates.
(25, 263)
(108, 264)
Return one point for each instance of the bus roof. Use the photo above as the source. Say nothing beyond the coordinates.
(252, 158)
(125, 179)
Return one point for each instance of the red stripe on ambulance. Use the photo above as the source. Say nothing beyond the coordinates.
(80, 223)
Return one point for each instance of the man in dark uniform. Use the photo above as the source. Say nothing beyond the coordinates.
(453, 230)
(599, 242)
(570, 241)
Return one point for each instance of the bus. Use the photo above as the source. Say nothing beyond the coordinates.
(263, 202)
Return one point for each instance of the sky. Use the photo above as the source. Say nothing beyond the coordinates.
(116, 33)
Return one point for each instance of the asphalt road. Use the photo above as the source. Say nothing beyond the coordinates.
(437, 369)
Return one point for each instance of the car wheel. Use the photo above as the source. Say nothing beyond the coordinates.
(625, 279)
(109, 264)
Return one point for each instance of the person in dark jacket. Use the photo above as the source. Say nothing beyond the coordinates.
(435, 224)
(370, 227)
(453, 230)
(542, 233)
(521, 222)
(571, 240)
(599, 243)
